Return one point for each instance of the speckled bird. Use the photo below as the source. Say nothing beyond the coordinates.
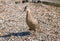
(32, 23)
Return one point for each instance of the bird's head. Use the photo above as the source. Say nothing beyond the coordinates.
(27, 9)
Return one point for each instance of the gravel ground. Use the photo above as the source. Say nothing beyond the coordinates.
(12, 20)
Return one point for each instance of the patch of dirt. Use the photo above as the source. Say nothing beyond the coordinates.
(12, 20)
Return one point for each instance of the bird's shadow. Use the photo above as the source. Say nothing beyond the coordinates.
(16, 34)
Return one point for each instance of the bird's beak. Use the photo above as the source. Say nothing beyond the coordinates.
(24, 9)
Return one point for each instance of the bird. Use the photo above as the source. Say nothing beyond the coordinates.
(32, 22)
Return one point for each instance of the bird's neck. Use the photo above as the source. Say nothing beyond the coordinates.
(28, 12)
(28, 15)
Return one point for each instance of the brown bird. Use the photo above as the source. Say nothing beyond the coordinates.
(31, 21)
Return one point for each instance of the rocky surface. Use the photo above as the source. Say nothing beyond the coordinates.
(12, 20)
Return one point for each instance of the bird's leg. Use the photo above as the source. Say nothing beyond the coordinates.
(36, 32)
(32, 33)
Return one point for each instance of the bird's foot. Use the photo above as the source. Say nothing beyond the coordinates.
(33, 34)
